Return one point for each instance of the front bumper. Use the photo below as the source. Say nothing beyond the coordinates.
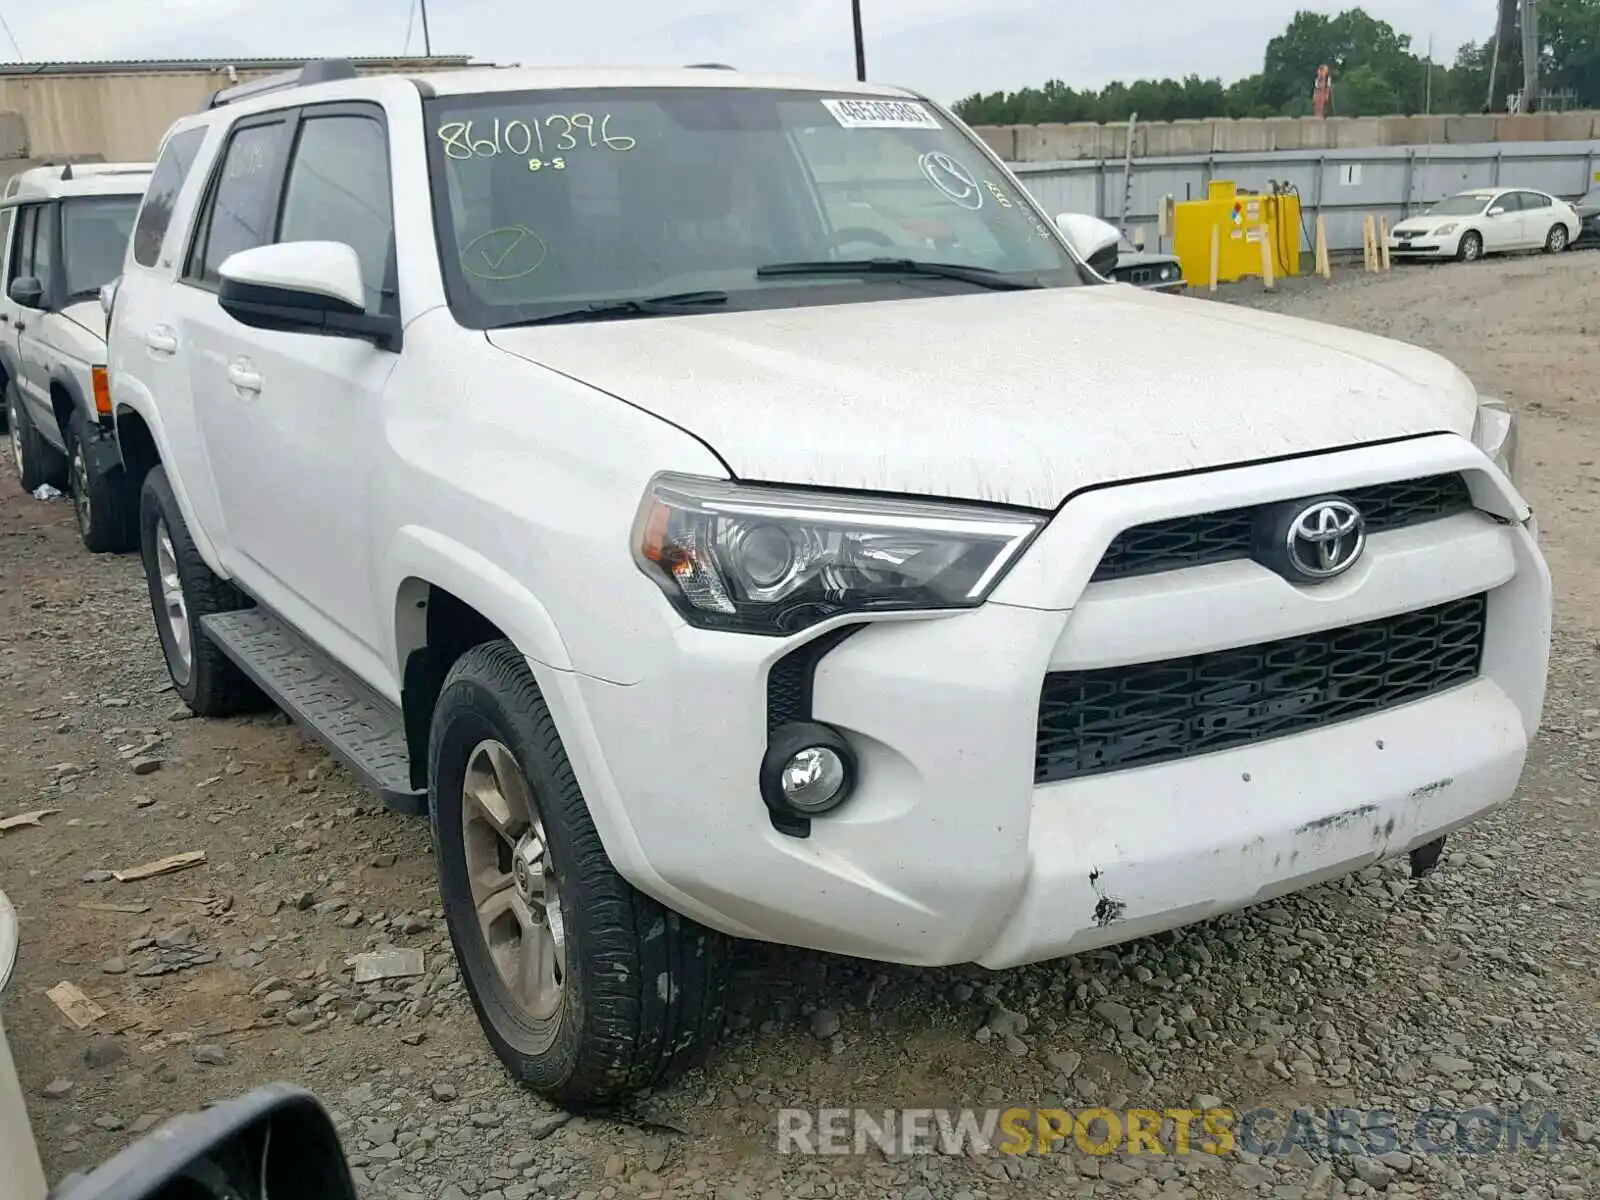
(1420, 248)
(950, 852)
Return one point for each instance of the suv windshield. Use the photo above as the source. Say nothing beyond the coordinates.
(95, 231)
(549, 202)
(1459, 206)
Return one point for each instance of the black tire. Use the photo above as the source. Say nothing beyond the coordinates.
(105, 505)
(1557, 240)
(211, 685)
(35, 460)
(644, 989)
(1470, 248)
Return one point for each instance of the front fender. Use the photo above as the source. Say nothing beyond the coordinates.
(419, 557)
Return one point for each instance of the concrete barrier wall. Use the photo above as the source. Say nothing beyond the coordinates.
(1344, 186)
(1164, 139)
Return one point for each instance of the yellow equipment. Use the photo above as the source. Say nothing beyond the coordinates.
(1242, 221)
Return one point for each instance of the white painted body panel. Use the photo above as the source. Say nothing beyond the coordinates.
(22, 1177)
(507, 469)
(1021, 397)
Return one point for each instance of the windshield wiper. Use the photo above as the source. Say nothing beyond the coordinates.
(982, 276)
(642, 306)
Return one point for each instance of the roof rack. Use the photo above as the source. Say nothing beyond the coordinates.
(710, 67)
(325, 70)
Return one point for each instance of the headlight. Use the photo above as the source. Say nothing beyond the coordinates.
(1494, 431)
(1444, 229)
(776, 560)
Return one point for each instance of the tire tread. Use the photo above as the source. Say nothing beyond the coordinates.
(636, 1037)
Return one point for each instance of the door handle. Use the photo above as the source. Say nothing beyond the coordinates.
(161, 341)
(19, 322)
(243, 378)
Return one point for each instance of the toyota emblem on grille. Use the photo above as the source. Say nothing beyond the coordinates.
(1325, 538)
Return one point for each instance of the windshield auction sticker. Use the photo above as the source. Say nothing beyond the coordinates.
(881, 114)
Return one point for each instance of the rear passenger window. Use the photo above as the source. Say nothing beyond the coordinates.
(338, 191)
(240, 209)
(166, 181)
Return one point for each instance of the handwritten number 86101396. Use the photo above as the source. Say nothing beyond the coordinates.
(466, 139)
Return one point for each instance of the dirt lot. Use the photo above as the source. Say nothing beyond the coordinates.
(1475, 987)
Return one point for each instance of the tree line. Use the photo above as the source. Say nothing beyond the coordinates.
(1376, 71)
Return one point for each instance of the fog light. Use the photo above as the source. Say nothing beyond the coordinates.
(808, 770)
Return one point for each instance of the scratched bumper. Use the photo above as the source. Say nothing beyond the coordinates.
(950, 852)
(1170, 845)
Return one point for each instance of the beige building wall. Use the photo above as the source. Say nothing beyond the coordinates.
(122, 115)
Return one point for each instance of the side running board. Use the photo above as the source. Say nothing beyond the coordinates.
(357, 725)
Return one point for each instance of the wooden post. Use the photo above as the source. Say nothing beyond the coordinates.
(1324, 267)
(1383, 241)
(1369, 242)
(1164, 218)
(1268, 279)
(1138, 238)
(1216, 253)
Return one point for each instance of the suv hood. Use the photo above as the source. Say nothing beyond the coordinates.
(1011, 397)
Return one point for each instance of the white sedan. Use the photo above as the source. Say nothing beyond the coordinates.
(1469, 225)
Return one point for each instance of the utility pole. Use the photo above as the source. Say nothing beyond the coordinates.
(1530, 56)
(427, 42)
(861, 45)
(1427, 95)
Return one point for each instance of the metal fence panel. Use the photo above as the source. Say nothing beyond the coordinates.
(1341, 186)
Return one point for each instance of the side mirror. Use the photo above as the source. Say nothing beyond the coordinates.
(303, 287)
(1091, 239)
(108, 296)
(1496, 211)
(277, 1141)
(27, 291)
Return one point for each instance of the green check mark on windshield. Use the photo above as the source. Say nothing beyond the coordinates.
(518, 236)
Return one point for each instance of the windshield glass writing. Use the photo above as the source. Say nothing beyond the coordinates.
(95, 232)
(545, 201)
(1458, 206)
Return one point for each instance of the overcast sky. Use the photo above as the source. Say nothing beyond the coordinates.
(948, 48)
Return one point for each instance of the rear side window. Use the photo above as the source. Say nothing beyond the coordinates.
(242, 204)
(1532, 200)
(172, 170)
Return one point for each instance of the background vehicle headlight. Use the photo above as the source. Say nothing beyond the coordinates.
(1494, 431)
(1444, 229)
(773, 561)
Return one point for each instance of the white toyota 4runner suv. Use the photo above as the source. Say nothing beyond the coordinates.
(66, 232)
(727, 506)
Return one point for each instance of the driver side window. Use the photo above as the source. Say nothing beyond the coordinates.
(338, 191)
(21, 264)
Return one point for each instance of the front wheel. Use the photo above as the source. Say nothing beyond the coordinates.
(1557, 240)
(587, 990)
(103, 501)
(1471, 247)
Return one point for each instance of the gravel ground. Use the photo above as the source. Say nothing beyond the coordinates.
(1476, 986)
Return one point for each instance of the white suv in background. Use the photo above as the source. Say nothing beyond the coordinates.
(65, 234)
(728, 507)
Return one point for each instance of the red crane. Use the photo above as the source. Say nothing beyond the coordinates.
(1322, 98)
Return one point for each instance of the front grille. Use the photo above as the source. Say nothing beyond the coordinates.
(1091, 722)
(1226, 536)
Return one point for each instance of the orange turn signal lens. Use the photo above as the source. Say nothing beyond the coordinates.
(102, 392)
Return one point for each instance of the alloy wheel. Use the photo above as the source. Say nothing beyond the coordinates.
(515, 892)
(175, 605)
